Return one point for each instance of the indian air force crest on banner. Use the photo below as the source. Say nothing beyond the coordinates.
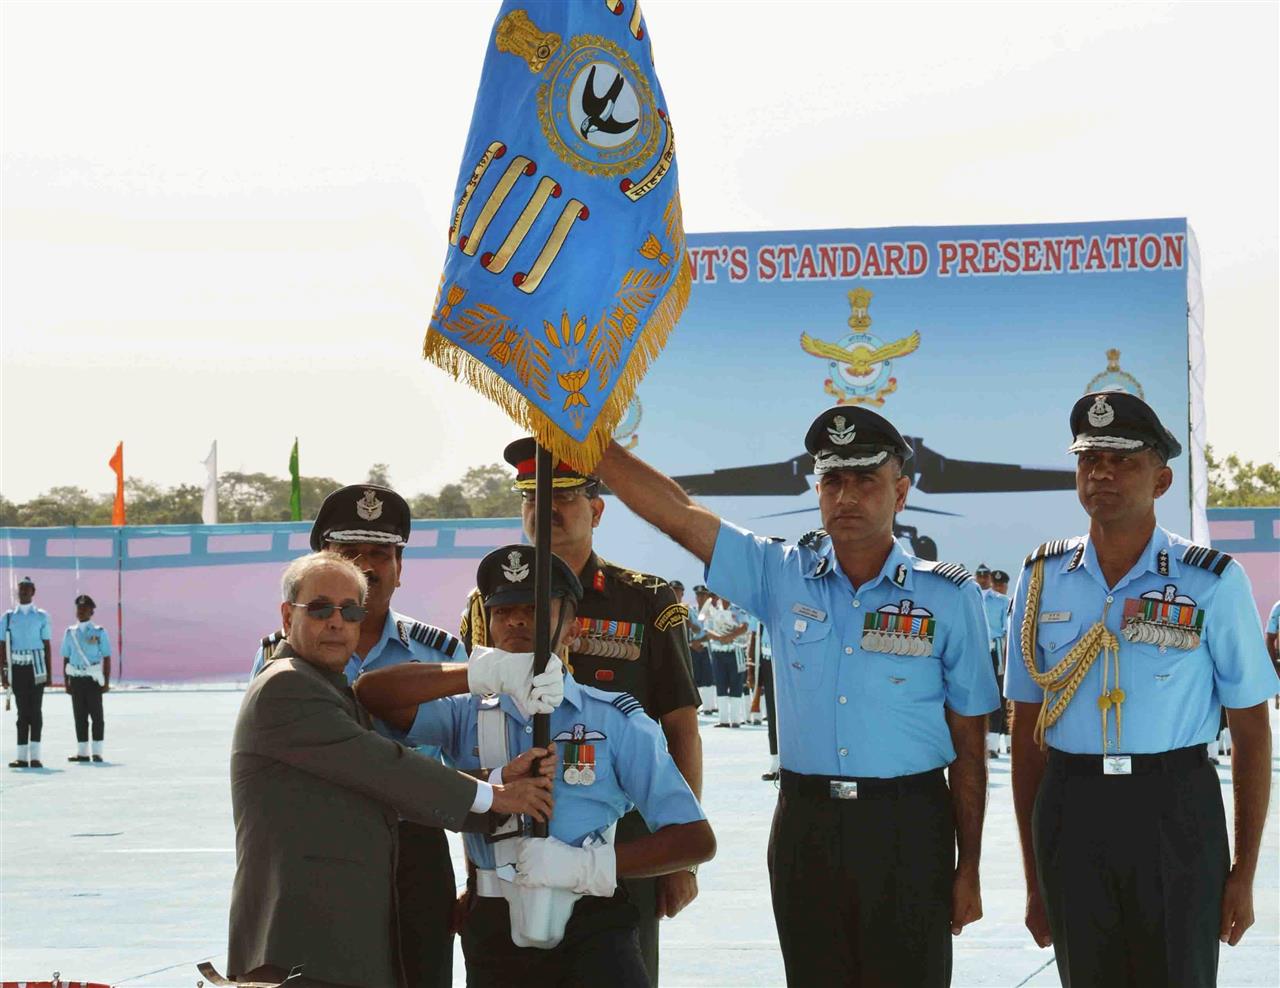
(861, 365)
(567, 265)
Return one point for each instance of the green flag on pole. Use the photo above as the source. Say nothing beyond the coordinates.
(295, 485)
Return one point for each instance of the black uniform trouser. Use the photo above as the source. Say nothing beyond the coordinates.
(30, 700)
(426, 892)
(643, 895)
(998, 719)
(86, 704)
(599, 948)
(862, 887)
(1131, 869)
(765, 674)
(724, 664)
(702, 675)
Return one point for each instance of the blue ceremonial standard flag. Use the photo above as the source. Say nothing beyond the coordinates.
(567, 267)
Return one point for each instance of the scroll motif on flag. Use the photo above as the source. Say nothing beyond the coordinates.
(899, 629)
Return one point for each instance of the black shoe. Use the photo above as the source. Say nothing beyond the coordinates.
(719, 725)
(770, 777)
(739, 724)
(37, 763)
(19, 763)
(97, 758)
(77, 758)
(992, 754)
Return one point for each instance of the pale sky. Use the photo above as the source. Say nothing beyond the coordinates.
(228, 220)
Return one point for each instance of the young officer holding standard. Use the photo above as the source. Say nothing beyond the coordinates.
(1123, 646)
(883, 679)
(611, 757)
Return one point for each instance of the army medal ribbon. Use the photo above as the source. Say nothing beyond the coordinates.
(899, 629)
(566, 268)
(1166, 620)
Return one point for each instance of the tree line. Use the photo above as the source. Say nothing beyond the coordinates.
(482, 492)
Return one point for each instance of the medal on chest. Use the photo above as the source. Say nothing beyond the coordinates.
(1165, 618)
(605, 638)
(899, 629)
(578, 754)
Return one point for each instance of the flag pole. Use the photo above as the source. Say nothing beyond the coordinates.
(542, 596)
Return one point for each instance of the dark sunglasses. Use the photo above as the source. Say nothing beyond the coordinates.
(322, 610)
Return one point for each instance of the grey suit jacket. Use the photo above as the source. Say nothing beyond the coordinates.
(315, 794)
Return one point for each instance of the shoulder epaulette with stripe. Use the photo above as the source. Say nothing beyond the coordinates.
(953, 572)
(433, 637)
(627, 703)
(811, 540)
(270, 642)
(1205, 558)
(1047, 550)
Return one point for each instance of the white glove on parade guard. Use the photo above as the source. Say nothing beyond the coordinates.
(549, 863)
(491, 670)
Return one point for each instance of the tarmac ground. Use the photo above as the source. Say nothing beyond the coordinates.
(121, 872)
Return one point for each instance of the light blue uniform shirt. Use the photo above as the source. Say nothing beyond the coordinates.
(28, 628)
(1273, 621)
(1172, 696)
(632, 765)
(843, 710)
(95, 645)
(403, 640)
(996, 606)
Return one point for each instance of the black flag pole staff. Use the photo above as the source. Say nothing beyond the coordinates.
(542, 598)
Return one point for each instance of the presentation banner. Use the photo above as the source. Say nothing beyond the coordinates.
(974, 341)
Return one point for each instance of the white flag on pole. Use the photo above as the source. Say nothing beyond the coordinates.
(209, 512)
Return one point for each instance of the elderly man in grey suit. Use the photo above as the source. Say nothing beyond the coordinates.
(315, 794)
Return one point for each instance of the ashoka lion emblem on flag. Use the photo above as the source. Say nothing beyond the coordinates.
(861, 365)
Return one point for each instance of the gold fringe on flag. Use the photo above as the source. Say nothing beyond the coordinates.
(582, 456)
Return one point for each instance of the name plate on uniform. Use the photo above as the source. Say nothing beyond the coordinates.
(804, 610)
(1117, 765)
(844, 790)
(1054, 617)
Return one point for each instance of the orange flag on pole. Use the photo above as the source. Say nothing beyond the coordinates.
(116, 463)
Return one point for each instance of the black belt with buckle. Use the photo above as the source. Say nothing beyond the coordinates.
(844, 787)
(1178, 760)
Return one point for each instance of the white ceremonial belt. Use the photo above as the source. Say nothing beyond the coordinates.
(25, 657)
(538, 916)
(489, 884)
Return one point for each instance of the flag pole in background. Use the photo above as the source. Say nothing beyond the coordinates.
(566, 267)
(118, 519)
(116, 463)
(209, 509)
(295, 485)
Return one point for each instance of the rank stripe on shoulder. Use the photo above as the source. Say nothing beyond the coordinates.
(433, 637)
(1047, 550)
(627, 703)
(1205, 558)
(810, 540)
(954, 572)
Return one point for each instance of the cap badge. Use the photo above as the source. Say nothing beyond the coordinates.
(1101, 413)
(841, 434)
(516, 570)
(369, 507)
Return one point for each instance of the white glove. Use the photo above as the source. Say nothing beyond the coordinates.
(491, 670)
(547, 862)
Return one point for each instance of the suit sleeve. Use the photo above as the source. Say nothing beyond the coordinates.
(307, 725)
(671, 664)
